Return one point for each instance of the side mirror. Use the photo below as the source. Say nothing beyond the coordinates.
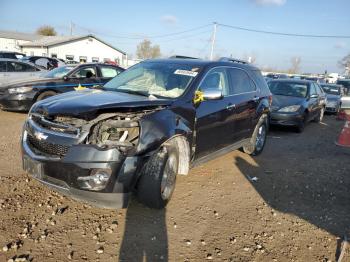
(212, 94)
(65, 78)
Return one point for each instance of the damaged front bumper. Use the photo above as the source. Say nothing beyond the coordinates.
(101, 177)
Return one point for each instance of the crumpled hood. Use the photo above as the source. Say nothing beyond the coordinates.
(279, 101)
(88, 101)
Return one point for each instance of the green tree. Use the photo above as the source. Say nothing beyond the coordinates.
(46, 30)
(145, 50)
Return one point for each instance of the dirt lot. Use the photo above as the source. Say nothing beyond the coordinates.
(297, 210)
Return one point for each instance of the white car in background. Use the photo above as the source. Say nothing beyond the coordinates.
(12, 69)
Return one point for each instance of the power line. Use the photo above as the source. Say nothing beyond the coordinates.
(282, 34)
(142, 37)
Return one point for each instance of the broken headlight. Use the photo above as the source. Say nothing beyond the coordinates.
(121, 132)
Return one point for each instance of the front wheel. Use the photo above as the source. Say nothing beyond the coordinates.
(158, 176)
(45, 94)
(320, 115)
(258, 139)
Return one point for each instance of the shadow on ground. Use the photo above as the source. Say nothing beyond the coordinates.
(305, 175)
(145, 236)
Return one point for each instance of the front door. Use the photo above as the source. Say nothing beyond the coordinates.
(85, 77)
(213, 130)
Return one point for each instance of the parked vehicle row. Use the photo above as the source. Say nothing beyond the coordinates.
(21, 95)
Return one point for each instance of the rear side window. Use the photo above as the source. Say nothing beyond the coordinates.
(240, 82)
(318, 89)
(259, 79)
(2, 66)
(313, 89)
(107, 71)
(19, 67)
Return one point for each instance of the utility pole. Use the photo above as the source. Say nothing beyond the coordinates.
(71, 28)
(213, 41)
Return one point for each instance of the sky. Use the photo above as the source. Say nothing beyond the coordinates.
(125, 24)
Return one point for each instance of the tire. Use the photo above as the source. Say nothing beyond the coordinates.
(258, 139)
(45, 94)
(300, 128)
(158, 176)
(320, 115)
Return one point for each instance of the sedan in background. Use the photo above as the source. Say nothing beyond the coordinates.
(296, 102)
(21, 95)
(334, 94)
(11, 69)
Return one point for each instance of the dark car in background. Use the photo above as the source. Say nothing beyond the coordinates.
(334, 94)
(145, 126)
(21, 95)
(45, 62)
(296, 102)
(11, 55)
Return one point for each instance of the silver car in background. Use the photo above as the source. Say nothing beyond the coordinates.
(12, 69)
(334, 94)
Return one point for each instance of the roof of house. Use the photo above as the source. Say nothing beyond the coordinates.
(19, 35)
(47, 41)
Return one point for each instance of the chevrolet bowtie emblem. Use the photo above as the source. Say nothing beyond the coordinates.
(40, 136)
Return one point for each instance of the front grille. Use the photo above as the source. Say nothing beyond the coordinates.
(46, 147)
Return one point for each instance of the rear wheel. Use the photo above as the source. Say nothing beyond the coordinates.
(45, 94)
(258, 139)
(158, 176)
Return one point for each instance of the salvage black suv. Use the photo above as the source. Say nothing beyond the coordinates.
(152, 122)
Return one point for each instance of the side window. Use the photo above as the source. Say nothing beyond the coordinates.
(240, 82)
(216, 79)
(19, 67)
(85, 72)
(319, 89)
(312, 89)
(108, 71)
(2, 66)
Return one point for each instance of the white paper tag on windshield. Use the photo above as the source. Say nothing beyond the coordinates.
(185, 73)
(334, 90)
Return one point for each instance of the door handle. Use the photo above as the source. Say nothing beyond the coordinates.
(230, 106)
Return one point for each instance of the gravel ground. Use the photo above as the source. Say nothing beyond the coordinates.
(291, 203)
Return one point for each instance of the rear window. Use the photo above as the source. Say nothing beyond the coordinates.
(332, 90)
(288, 89)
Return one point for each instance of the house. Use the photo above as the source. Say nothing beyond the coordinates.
(11, 41)
(85, 48)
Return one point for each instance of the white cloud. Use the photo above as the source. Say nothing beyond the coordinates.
(169, 19)
(340, 45)
(270, 2)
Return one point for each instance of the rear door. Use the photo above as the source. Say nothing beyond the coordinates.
(108, 72)
(244, 99)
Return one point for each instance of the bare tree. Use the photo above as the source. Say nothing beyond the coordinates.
(345, 63)
(46, 30)
(146, 50)
(295, 61)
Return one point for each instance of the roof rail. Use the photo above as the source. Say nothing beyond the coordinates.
(233, 60)
(183, 57)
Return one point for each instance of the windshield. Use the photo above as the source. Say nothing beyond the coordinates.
(162, 79)
(58, 72)
(288, 89)
(332, 90)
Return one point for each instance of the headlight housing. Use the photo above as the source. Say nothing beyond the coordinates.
(121, 132)
(20, 90)
(289, 109)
